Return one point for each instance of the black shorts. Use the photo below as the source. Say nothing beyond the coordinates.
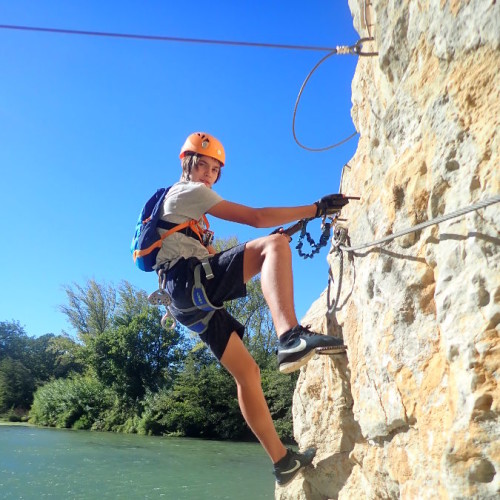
(227, 284)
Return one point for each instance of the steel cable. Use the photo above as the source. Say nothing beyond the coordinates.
(423, 225)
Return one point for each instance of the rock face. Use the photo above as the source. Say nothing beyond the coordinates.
(413, 411)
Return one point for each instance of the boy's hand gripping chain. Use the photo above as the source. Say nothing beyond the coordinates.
(301, 226)
(331, 204)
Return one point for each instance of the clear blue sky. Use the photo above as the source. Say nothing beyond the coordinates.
(90, 127)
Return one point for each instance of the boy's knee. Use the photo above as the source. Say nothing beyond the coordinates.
(254, 371)
(250, 376)
(280, 243)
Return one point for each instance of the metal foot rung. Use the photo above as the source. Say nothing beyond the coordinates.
(341, 349)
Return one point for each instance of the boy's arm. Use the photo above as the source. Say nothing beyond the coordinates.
(276, 216)
(261, 217)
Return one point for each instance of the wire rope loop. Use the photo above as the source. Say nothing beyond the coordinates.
(357, 48)
(332, 307)
(337, 50)
(341, 273)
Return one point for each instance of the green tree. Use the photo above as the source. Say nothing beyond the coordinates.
(50, 356)
(90, 308)
(123, 345)
(16, 385)
(137, 356)
(131, 302)
(157, 389)
(66, 355)
(38, 358)
(46, 356)
(13, 340)
(28, 362)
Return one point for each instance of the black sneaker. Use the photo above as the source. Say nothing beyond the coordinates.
(288, 467)
(298, 346)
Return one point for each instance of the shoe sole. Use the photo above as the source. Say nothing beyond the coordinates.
(296, 365)
(292, 477)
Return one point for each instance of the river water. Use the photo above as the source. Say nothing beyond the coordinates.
(65, 464)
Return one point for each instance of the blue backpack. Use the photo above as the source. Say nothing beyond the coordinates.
(147, 242)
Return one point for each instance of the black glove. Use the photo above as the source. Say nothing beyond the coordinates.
(330, 204)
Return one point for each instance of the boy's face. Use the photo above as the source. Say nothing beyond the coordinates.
(206, 171)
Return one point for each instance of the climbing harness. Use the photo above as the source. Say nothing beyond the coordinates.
(198, 294)
(199, 230)
(199, 298)
(357, 50)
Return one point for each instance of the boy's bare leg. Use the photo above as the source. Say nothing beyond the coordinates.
(271, 256)
(238, 361)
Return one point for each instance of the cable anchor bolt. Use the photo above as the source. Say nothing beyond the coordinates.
(357, 48)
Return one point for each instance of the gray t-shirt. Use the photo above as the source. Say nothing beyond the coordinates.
(185, 200)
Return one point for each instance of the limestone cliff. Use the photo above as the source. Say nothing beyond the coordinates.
(413, 410)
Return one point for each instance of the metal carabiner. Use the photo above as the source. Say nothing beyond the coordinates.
(332, 218)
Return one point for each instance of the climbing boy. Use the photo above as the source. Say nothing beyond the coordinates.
(198, 281)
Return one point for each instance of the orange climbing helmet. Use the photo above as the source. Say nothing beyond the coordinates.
(204, 144)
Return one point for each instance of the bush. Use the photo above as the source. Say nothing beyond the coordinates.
(14, 415)
(156, 405)
(77, 401)
(83, 422)
(173, 412)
